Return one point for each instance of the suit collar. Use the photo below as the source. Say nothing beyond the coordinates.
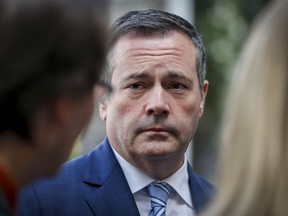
(105, 182)
(101, 162)
(201, 190)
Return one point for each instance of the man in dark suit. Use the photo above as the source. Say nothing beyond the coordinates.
(156, 65)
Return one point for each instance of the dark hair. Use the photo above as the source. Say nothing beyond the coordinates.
(47, 48)
(146, 22)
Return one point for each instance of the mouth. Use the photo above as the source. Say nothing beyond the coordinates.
(158, 130)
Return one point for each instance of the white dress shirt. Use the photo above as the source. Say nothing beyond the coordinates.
(180, 200)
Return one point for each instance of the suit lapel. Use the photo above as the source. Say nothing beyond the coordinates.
(107, 192)
(106, 189)
(201, 190)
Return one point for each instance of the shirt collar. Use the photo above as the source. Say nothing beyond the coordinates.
(138, 180)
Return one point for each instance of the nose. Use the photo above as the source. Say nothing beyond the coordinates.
(157, 102)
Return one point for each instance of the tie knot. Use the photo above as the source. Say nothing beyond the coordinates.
(159, 193)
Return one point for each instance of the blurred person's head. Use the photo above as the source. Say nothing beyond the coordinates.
(253, 177)
(51, 58)
(156, 65)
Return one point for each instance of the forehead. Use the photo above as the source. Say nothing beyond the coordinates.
(173, 50)
(172, 40)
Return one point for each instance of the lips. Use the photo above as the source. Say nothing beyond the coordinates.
(156, 129)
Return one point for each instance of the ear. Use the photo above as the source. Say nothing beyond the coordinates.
(103, 110)
(203, 97)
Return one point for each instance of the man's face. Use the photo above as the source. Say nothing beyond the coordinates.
(154, 110)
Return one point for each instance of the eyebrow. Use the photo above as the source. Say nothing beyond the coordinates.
(145, 74)
(178, 75)
(137, 75)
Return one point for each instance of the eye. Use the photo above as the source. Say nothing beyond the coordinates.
(136, 86)
(178, 86)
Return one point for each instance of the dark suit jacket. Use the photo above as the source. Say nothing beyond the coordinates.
(94, 184)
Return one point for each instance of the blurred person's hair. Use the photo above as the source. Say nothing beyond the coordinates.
(253, 177)
(152, 21)
(48, 48)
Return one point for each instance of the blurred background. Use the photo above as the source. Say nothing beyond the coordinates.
(224, 25)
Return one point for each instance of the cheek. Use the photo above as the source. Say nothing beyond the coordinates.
(120, 122)
(190, 109)
(120, 116)
(189, 115)
(120, 110)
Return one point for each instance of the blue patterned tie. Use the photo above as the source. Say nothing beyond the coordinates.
(159, 193)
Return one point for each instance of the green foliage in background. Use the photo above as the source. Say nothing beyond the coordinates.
(224, 25)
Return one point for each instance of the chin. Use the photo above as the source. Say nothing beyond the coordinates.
(160, 154)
